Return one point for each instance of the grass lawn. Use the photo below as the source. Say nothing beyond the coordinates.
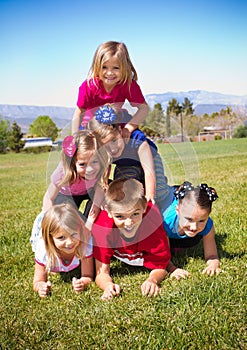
(198, 313)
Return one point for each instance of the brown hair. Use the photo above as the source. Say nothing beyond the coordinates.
(122, 192)
(202, 194)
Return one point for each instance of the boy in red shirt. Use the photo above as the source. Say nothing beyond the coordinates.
(131, 230)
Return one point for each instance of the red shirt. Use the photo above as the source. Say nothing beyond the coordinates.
(149, 247)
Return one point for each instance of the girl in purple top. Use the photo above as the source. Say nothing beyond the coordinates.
(111, 79)
(81, 175)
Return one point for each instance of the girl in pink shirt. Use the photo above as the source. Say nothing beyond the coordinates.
(112, 79)
(82, 173)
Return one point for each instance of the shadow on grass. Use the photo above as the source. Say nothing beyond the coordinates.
(220, 239)
(181, 259)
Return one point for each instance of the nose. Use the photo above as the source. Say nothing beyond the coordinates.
(128, 222)
(89, 169)
(193, 226)
(69, 242)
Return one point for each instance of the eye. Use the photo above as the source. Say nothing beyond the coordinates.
(60, 238)
(119, 217)
(136, 215)
(75, 235)
(82, 164)
(116, 67)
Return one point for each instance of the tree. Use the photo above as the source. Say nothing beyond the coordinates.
(14, 138)
(4, 130)
(184, 110)
(44, 126)
(241, 131)
(174, 109)
(155, 120)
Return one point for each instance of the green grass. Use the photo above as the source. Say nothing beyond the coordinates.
(199, 313)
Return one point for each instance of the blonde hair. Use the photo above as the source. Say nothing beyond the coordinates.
(62, 217)
(122, 192)
(85, 141)
(106, 51)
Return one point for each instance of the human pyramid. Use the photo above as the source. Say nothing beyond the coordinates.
(130, 212)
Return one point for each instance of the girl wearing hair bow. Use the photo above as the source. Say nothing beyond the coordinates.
(82, 173)
(187, 221)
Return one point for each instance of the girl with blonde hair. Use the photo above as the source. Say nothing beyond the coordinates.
(112, 79)
(61, 244)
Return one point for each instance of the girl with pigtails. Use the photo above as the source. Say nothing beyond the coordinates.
(187, 221)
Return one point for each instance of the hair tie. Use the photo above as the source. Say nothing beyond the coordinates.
(69, 146)
(182, 190)
(105, 115)
(212, 195)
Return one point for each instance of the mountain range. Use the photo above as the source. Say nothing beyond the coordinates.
(203, 102)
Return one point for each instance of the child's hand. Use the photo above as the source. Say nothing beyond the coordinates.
(93, 213)
(150, 288)
(78, 284)
(179, 273)
(111, 291)
(43, 288)
(212, 268)
(126, 134)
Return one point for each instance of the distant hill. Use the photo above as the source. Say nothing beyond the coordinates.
(24, 115)
(203, 102)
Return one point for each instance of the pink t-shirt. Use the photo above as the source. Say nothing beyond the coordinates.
(79, 187)
(93, 95)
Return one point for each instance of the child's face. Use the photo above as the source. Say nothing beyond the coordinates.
(192, 218)
(65, 242)
(128, 220)
(114, 144)
(110, 73)
(88, 165)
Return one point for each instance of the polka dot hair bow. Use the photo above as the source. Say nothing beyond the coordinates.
(212, 195)
(187, 186)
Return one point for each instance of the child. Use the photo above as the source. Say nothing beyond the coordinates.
(131, 230)
(187, 221)
(138, 158)
(111, 79)
(83, 170)
(60, 242)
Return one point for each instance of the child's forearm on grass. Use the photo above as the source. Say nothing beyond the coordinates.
(103, 280)
(156, 276)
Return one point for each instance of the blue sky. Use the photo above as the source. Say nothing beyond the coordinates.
(47, 46)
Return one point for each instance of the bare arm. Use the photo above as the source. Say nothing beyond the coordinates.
(40, 283)
(50, 196)
(87, 270)
(98, 199)
(104, 281)
(138, 117)
(176, 272)
(151, 287)
(147, 162)
(76, 120)
(211, 254)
